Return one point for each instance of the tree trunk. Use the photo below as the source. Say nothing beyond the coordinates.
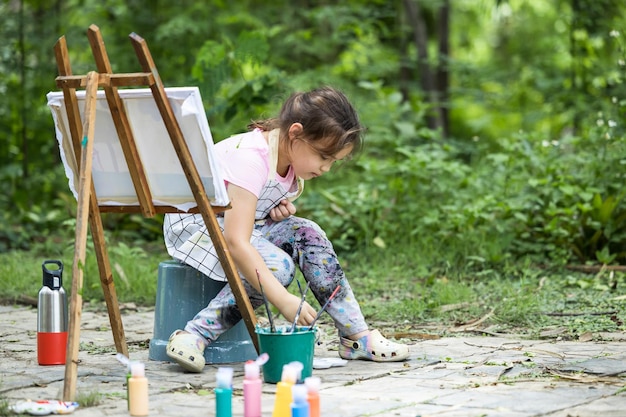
(573, 73)
(22, 88)
(427, 80)
(405, 73)
(443, 80)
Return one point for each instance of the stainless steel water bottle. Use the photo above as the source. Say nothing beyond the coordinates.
(52, 317)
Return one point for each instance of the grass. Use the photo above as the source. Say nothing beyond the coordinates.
(404, 289)
(134, 268)
(519, 298)
(5, 407)
(89, 399)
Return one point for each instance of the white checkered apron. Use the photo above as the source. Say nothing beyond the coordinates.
(187, 238)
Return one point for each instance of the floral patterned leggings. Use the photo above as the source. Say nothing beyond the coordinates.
(293, 241)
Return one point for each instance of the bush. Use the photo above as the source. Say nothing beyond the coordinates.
(552, 201)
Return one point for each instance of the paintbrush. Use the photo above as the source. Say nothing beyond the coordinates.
(267, 306)
(324, 307)
(308, 284)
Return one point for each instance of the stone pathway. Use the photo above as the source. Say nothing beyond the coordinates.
(447, 377)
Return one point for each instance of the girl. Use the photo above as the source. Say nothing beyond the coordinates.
(264, 170)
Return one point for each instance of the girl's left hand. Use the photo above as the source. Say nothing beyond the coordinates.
(283, 210)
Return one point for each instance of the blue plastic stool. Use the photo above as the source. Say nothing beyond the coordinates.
(183, 291)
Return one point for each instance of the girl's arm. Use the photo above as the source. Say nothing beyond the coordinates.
(238, 224)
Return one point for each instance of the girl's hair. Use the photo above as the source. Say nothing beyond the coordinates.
(329, 121)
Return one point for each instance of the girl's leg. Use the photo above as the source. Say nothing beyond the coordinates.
(311, 250)
(222, 313)
(314, 254)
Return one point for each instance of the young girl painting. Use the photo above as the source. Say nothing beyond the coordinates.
(264, 170)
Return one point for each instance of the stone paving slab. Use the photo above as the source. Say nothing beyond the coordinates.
(448, 377)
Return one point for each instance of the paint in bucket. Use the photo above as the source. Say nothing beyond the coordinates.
(284, 347)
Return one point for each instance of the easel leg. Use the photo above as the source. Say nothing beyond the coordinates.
(241, 297)
(82, 217)
(184, 155)
(106, 279)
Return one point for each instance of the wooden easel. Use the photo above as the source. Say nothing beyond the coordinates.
(88, 209)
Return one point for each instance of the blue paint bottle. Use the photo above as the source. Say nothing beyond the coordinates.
(299, 405)
(224, 392)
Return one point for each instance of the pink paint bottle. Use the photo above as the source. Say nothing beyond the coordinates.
(252, 387)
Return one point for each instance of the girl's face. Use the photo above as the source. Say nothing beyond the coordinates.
(308, 162)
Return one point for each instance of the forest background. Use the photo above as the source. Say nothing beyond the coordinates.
(495, 148)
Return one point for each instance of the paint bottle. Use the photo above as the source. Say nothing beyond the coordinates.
(224, 392)
(127, 363)
(299, 404)
(252, 387)
(282, 404)
(313, 384)
(138, 390)
(52, 317)
(298, 367)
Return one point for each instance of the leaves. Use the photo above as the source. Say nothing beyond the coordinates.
(533, 166)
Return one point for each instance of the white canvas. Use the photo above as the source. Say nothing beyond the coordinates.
(164, 172)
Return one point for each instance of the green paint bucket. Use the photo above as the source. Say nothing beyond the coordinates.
(284, 347)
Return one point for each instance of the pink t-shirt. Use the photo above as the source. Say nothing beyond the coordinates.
(245, 160)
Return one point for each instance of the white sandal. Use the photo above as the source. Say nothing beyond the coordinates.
(374, 347)
(187, 350)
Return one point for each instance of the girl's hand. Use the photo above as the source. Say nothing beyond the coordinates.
(289, 308)
(283, 210)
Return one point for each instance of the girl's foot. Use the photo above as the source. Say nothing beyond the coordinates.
(374, 347)
(187, 350)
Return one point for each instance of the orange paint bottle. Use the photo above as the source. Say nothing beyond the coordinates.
(313, 384)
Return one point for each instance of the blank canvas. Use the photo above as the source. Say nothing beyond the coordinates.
(167, 181)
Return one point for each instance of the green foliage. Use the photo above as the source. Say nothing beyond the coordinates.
(553, 201)
(533, 168)
(235, 80)
(504, 83)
